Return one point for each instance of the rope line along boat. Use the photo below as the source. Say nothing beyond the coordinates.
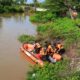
(32, 56)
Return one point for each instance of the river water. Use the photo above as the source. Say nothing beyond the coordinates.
(12, 65)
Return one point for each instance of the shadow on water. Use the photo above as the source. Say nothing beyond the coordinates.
(12, 65)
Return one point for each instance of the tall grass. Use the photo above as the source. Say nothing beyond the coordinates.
(63, 28)
(42, 17)
(26, 38)
(57, 71)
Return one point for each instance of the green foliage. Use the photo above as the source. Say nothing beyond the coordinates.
(42, 17)
(63, 28)
(10, 6)
(11, 2)
(77, 21)
(26, 38)
(1, 9)
(36, 4)
(74, 76)
(16, 9)
(6, 2)
(57, 71)
(31, 11)
(50, 71)
(11, 9)
(60, 7)
(56, 6)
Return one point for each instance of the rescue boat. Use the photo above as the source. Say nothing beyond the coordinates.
(31, 55)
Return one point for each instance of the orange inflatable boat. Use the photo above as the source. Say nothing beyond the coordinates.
(27, 50)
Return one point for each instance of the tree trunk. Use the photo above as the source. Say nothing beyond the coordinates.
(69, 8)
(70, 12)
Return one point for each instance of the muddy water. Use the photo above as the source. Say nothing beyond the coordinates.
(12, 65)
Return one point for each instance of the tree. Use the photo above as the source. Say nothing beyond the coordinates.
(35, 4)
(21, 1)
(6, 2)
(60, 7)
(71, 5)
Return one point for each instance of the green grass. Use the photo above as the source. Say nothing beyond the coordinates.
(26, 38)
(63, 28)
(66, 30)
(42, 17)
(58, 71)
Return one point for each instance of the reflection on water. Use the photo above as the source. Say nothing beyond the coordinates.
(0, 22)
(12, 66)
(25, 57)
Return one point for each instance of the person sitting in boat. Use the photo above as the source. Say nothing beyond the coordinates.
(40, 53)
(48, 52)
(28, 47)
(59, 49)
(49, 49)
(55, 57)
(51, 56)
(36, 48)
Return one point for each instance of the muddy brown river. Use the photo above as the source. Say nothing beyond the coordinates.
(13, 66)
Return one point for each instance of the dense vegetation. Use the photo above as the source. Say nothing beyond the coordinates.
(11, 9)
(60, 7)
(58, 24)
(42, 17)
(11, 6)
(63, 28)
(57, 71)
(26, 38)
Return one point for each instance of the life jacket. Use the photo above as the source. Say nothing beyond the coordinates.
(58, 47)
(49, 49)
(56, 56)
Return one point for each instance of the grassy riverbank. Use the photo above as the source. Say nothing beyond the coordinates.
(66, 31)
(59, 29)
(26, 38)
(57, 71)
(42, 17)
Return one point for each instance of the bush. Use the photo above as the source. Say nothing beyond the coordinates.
(57, 71)
(6, 9)
(31, 11)
(74, 76)
(1, 9)
(42, 17)
(26, 38)
(11, 9)
(16, 9)
(50, 71)
(63, 28)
